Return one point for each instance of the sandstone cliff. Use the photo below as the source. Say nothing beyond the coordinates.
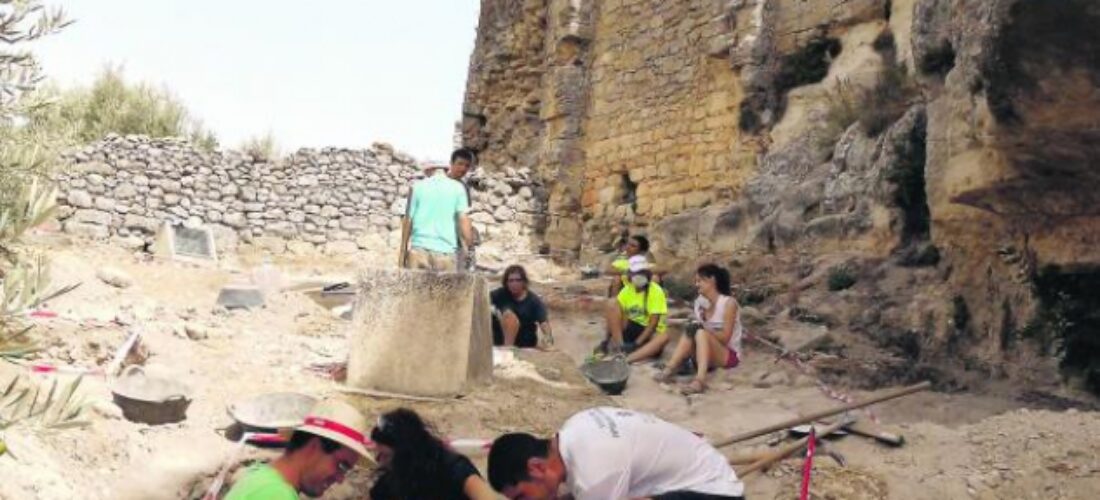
(937, 157)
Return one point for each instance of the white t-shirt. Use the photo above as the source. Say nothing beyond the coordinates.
(614, 453)
(717, 321)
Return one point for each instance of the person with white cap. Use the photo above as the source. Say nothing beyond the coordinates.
(634, 247)
(321, 451)
(636, 319)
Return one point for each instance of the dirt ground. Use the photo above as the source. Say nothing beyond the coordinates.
(980, 444)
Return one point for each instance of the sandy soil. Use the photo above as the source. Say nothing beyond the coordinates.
(959, 446)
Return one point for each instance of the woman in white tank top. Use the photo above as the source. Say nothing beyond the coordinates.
(718, 340)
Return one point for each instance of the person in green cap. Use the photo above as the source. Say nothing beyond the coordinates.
(320, 453)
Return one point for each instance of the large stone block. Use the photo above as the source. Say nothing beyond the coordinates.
(85, 230)
(420, 333)
(88, 216)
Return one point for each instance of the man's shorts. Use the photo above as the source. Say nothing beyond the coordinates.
(418, 258)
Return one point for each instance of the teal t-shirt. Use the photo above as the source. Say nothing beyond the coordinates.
(262, 482)
(434, 207)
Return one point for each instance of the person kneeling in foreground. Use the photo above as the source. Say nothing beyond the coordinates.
(320, 453)
(636, 320)
(518, 314)
(417, 465)
(612, 453)
(718, 342)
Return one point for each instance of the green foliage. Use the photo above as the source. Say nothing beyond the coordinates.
(23, 401)
(841, 277)
(876, 107)
(22, 157)
(25, 202)
(263, 147)
(112, 105)
(1067, 320)
(752, 295)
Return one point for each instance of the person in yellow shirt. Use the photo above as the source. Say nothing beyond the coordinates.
(320, 453)
(636, 319)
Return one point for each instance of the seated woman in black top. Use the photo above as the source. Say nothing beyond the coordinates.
(518, 313)
(417, 465)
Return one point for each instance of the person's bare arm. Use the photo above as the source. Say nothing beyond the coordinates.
(650, 327)
(476, 488)
(467, 230)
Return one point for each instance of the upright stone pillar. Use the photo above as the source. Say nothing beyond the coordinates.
(420, 333)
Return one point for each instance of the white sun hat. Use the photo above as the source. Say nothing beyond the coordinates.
(340, 422)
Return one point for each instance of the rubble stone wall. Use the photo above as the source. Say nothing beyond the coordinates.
(339, 200)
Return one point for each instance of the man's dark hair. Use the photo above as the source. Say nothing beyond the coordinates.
(509, 455)
(465, 154)
(720, 276)
(300, 439)
(513, 269)
(643, 242)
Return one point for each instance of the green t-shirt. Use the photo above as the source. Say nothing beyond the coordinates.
(262, 482)
(433, 210)
(640, 305)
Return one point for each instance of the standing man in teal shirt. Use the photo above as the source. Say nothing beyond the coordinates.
(436, 206)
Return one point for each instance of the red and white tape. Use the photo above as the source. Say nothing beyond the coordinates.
(829, 392)
(462, 445)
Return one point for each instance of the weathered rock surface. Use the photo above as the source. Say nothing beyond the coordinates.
(949, 144)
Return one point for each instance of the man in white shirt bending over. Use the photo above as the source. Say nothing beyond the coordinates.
(612, 454)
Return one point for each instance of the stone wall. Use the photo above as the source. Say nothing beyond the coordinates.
(627, 109)
(336, 200)
(661, 133)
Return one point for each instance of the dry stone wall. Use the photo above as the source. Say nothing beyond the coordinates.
(338, 200)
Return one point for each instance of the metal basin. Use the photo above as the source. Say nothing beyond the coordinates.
(609, 374)
(150, 400)
(272, 411)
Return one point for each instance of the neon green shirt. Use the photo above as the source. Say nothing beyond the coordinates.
(622, 265)
(262, 482)
(640, 305)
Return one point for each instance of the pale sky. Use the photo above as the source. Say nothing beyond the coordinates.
(321, 73)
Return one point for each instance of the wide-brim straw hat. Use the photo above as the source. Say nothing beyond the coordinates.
(340, 422)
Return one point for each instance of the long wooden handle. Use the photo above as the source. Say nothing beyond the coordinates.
(788, 450)
(897, 393)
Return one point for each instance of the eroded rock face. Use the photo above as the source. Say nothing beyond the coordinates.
(967, 182)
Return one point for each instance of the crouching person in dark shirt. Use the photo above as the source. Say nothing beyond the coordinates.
(518, 314)
(417, 465)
